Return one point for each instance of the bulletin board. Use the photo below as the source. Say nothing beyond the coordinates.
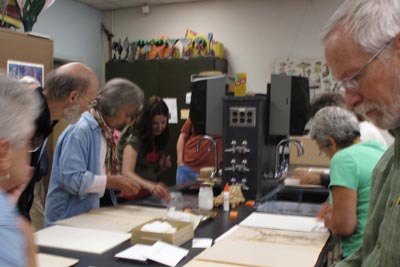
(26, 48)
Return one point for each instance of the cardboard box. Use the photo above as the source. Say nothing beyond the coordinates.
(311, 158)
(183, 233)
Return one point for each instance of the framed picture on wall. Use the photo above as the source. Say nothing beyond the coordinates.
(19, 69)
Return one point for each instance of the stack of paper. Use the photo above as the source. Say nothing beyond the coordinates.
(79, 239)
(259, 247)
(119, 219)
(47, 260)
(284, 222)
(160, 252)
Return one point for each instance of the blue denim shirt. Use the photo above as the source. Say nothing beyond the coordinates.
(12, 241)
(76, 161)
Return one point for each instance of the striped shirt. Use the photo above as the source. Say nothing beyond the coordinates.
(381, 240)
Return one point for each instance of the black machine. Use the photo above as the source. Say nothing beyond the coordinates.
(206, 103)
(253, 126)
(289, 105)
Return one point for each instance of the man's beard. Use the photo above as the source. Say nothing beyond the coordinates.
(72, 114)
(388, 116)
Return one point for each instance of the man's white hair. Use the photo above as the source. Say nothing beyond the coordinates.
(18, 110)
(371, 23)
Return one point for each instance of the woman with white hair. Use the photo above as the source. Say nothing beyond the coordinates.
(18, 110)
(337, 133)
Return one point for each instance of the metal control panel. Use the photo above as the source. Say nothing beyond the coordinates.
(246, 155)
(242, 117)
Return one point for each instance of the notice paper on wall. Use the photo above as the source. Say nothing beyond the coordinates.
(173, 109)
(184, 113)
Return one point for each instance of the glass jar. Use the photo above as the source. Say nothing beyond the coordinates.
(176, 202)
(206, 198)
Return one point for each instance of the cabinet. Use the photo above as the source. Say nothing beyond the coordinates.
(168, 79)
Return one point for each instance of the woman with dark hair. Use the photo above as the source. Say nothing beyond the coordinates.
(141, 147)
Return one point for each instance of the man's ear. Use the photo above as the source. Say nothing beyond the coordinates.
(73, 97)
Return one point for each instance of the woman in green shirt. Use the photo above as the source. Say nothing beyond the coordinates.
(337, 133)
(141, 147)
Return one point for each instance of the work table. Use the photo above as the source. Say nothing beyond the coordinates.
(211, 228)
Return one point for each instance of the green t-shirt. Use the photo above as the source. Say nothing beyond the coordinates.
(352, 168)
(144, 168)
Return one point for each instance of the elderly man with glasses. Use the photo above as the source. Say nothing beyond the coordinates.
(61, 98)
(362, 48)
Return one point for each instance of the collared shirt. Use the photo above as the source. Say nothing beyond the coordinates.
(381, 240)
(12, 240)
(76, 168)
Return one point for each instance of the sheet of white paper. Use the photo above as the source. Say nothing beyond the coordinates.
(202, 242)
(233, 229)
(166, 254)
(314, 169)
(173, 110)
(284, 222)
(188, 98)
(47, 260)
(79, 239)
(137, 252)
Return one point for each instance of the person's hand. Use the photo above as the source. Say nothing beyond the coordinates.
(325, 213)
(165, 162)
(307, 177)
(31, 249)
(160, 190)
(126, 185)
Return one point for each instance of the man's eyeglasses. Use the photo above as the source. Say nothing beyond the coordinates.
(352, 83)
(91, 102)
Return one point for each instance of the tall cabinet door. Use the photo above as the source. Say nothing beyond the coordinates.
(143, 73)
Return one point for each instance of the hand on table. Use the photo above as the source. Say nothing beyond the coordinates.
(325, 213)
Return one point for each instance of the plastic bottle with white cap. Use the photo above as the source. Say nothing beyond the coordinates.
(226, 197)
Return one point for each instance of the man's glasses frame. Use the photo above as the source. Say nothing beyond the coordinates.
(352, 83)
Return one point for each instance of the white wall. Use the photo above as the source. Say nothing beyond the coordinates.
(75, 30)
(255, 32)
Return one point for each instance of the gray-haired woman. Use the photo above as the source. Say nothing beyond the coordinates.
(337, 133)
(18, 110)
